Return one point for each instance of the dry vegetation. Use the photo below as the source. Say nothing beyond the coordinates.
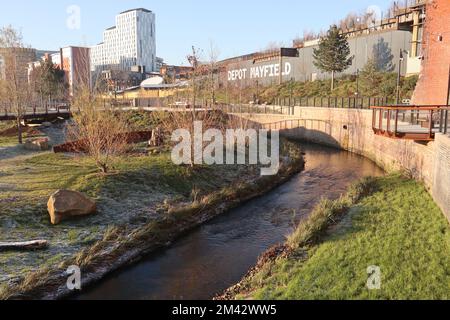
(390, 222)
(217, 190)
(99, 131)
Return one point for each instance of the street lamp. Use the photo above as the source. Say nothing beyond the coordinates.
(357, 82)
(401, 58)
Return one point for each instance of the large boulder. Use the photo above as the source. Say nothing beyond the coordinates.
(37, 144)
(64, 204)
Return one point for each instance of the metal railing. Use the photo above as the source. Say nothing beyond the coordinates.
(256, 109)
(289, 124)
(332, 102)
(284, 107)
(8, 112)
(419, 123)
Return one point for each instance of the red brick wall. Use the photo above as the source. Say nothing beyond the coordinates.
(433, 83)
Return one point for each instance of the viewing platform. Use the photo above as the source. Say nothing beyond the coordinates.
(418, 123)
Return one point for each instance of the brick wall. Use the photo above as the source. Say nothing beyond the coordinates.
(433, 83)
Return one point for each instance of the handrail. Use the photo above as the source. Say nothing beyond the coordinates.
(292, 121)
(343, 102)
(412, 107)
(386, 121)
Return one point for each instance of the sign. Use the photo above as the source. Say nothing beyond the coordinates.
(259, 72)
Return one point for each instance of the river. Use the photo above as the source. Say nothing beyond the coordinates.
(218, 254)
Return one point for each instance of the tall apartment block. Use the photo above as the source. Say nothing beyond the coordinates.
(128, 46)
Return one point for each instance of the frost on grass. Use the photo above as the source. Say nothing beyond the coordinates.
(129, 197)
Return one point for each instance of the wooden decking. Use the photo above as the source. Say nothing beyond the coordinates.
(418, 123)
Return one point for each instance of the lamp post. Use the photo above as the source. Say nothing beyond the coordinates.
(400, 61)
(357, 82)
(448, 103)
(257, 92)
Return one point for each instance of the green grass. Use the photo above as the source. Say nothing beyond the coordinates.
(8, 141)
(127, 197)
(135, 184)
(381, 85)
(142, 183)
(398, 228)
(4, 125)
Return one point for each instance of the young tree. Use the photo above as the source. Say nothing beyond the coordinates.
(370, 78)
(170, 122)
(212, 71)
(194, 61)
(333, 54)
(99, 131)
(14, 82)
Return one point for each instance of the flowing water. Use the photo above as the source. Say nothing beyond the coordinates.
(218, 254)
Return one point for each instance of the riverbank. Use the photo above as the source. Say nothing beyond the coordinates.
(168, 207)
(217, 254)
(390, 223)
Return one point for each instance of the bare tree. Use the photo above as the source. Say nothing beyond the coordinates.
(194, 61)
(15, 88)
(213, 70)
(351, 21)
(97, 129)
(172, 121)
(272, 47)
(214, 119)
(308, 35)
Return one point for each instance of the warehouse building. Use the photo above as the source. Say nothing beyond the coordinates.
(394, 43)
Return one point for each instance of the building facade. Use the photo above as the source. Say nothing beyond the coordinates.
(394, 44)
(130, 44)
(159, 64)
(20, 57)
(74, 61)
(176, 73)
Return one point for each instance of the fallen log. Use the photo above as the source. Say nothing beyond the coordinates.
(28, 245)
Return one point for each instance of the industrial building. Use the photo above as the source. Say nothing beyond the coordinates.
(394, 43)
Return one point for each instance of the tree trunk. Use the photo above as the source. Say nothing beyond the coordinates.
(19, 131)
(103, 168)
(29, 245)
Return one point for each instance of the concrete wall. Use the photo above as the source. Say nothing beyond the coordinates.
(351, 130)
(441, 183)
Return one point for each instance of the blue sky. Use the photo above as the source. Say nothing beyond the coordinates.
(235, 26)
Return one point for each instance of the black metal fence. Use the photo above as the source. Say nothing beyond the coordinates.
(254, 109)
(332, 102)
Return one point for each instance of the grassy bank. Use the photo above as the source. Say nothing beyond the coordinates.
(133, 195)
(388, 222)
(378, 85)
